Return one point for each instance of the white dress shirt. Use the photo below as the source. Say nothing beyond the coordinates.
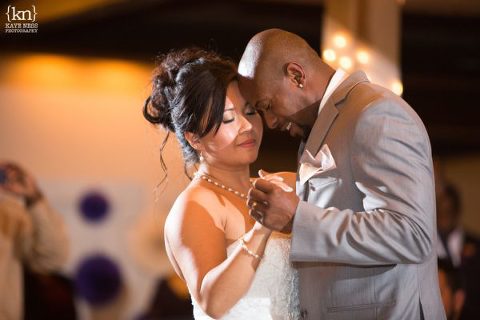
(336, 80)
(454, 244)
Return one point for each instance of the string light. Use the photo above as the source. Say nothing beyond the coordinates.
(363, 57)
(345, 62)
(397, 87)
(329, 55)
(340, 41)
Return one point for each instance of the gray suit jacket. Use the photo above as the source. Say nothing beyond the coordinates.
(365, 228)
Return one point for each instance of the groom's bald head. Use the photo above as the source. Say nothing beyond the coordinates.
(283, 77)
(267, 53)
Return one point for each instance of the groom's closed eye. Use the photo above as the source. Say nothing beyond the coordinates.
(249, 110)
(263, 107)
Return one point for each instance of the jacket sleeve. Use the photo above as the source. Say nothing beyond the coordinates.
(47, 247)
(392, 171)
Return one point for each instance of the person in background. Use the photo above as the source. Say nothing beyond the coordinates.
(458, 248)
(32, 235)
(453, 295)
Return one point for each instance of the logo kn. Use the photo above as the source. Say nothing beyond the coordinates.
(21, 15)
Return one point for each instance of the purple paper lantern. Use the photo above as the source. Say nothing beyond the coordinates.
(98, 280)
(94, 206)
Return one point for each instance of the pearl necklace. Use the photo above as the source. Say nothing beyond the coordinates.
(222, 186)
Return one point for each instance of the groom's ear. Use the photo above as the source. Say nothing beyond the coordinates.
(295, 73)
(194, 140)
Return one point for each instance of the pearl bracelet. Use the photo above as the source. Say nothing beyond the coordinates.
(248, 251)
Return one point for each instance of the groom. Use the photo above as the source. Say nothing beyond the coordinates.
(363, 217)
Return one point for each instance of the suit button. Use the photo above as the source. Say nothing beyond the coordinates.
(303, 314)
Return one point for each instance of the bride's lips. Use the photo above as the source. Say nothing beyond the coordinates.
(249, 143)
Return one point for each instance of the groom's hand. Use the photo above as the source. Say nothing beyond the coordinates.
(272, 206)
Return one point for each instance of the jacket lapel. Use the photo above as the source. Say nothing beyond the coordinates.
(329, 112)
(320, 128)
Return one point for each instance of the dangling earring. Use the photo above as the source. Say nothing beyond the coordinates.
(200, 157)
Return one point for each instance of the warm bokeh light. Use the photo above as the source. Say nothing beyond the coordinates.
(352, 53)
(329, 55)
(345, 62)
(340, 41)
(363, 57)
(59, 73)
(40, 70)
(397, 87)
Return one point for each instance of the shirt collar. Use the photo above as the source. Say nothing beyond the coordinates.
(336, 80)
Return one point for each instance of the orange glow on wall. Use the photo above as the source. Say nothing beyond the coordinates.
(54, 72)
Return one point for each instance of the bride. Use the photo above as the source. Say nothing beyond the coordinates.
(234, 267)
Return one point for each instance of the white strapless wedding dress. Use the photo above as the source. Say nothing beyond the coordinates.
(273, 294)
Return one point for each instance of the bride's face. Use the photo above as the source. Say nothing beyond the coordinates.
(238, 138)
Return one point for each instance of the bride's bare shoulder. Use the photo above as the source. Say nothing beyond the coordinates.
(195, 194)
(194, 206)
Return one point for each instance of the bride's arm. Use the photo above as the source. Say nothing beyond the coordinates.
(196, 241)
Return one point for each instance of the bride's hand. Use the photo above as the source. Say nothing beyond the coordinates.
(260, 228)
(277, 179)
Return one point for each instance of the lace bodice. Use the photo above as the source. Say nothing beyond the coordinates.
(273, 294)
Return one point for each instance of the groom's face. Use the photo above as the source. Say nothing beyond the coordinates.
(274, 101)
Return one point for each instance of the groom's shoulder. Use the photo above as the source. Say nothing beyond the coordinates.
(368, 95)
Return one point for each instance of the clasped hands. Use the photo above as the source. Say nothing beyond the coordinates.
(272, 202)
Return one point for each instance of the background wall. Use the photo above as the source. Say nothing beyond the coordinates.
(76, 124)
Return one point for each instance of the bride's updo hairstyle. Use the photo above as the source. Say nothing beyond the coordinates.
(189, 89)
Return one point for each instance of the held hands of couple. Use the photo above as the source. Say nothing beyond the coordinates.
(272, 202)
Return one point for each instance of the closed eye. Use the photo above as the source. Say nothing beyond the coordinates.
(228, 116)
(263, 107)
(249, 110)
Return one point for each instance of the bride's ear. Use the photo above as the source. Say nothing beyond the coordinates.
(194, 140)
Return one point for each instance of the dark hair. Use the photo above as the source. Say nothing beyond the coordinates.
(189, 89)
